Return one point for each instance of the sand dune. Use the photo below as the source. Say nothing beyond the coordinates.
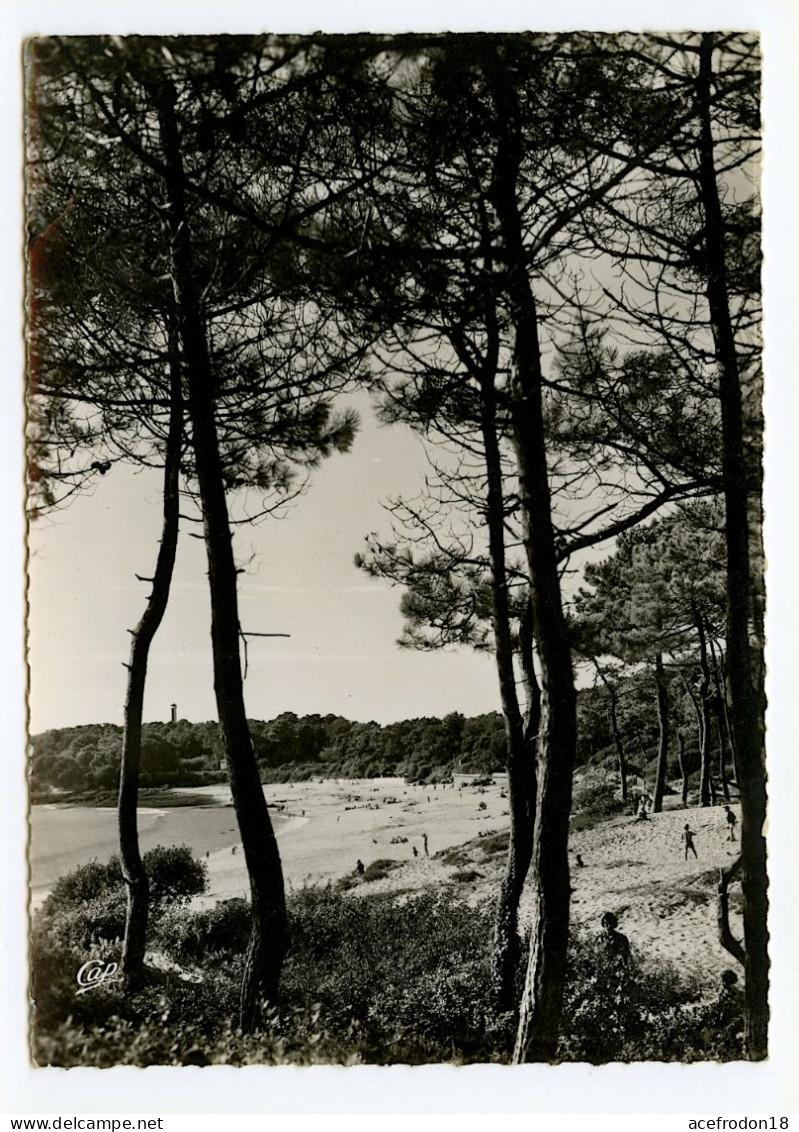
(665, 904)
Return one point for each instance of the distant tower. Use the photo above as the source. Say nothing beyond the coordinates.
(174, 708)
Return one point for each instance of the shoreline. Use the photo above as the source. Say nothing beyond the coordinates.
(323, 828)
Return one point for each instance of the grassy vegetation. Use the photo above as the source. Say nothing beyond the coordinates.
(488, 846)
(467, 876)
(647, 1011)
(379, 979)
(376, 870)
(156, 797)
(496, 844)
(595, 802)
(456, 855)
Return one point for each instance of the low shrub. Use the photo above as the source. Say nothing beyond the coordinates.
(595, 803)
(368, 980)
(376, 870)
(407, 981)
(175, 875)
(455, 855)
(206, 936)
(168, 1021)
(95, 893)
(292, 1037)
(495, 844)
(85, 911)
(85, 883)
(648, 1010)
(84, 918)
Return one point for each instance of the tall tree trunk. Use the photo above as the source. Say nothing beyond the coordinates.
(744, 656)
(722, 721)
(520, 751)
(697, 710)
(539, 1021)
(133, 871)
(663, 734)
(269, 935)
(705, 783)
(532, 689)
(725, 786)
(683, 769)
(614, 727)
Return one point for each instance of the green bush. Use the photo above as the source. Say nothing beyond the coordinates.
(86, 882)
(83, 923)
(366, 980)
(648, 1010)
(94, 895)
(495, 844)
(455, 855)
(175, 875)
(408, 981)
(376, 870)
(379, 869)
(162, 1023)
(207, 936)
(595, 803)
(293, 1037)
(84, 916)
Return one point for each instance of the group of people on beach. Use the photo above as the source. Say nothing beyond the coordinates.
(644, 803)
(359, 865)
(688, 834)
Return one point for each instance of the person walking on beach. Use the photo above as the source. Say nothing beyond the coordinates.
(688, 838)
(424, 839)
(732, 821)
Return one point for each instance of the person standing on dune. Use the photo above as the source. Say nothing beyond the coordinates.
(688, 838)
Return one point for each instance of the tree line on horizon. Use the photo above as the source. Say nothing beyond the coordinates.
(620, 712)
(289, 746)
(539, 251)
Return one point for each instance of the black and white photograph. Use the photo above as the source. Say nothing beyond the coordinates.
(396, 582)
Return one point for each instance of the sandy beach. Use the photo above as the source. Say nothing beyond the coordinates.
(665, 904)
(333, 824)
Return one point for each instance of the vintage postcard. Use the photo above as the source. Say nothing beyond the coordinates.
(403, 449)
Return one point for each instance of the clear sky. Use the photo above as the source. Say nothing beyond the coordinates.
(299, 578)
